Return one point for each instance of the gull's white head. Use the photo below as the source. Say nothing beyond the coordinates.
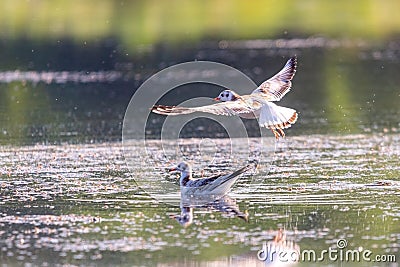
(182, 167)
(227, 95)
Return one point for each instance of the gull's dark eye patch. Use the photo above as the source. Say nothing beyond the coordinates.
(226, 95)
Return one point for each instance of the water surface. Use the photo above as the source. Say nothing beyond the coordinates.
(79, 204)
(69, 197)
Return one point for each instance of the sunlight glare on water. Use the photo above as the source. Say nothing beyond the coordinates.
(66, 194)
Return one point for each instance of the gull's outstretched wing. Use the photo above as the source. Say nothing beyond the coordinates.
(224, 108)
(277, 86)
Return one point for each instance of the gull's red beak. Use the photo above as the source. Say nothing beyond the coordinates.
(217, 99)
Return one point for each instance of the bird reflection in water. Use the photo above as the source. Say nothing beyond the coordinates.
(279, 251)
(224, 204)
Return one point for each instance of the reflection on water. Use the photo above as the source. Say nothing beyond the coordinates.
(224, 204)
(59, 77)
(67, 196)
(79, 204)
(279, 251)
(340, 87)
